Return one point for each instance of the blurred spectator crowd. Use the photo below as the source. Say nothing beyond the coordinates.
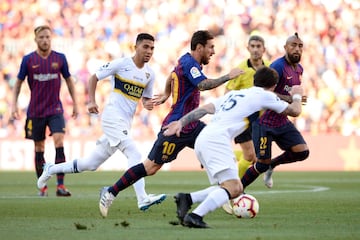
(93, 32)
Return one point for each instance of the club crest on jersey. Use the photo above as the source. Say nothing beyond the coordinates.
(55, 65)
(194, 71)
(147, 75)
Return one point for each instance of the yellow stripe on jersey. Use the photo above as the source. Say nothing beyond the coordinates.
(247, 122)
(175, 87)
(129, 89)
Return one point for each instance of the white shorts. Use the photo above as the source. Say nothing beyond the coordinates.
(217, 157)
(115, 128)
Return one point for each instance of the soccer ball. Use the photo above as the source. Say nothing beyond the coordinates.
(245, 206)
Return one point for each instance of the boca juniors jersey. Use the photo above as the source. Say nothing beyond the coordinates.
(129, 83)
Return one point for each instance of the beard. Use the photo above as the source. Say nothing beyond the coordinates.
(294, 58)
(204, 61)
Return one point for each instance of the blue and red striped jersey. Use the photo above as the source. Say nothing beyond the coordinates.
(288, 77)
(44, 80)
(185, 93)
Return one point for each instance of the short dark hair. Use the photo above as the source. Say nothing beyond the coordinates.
(200, 37)
(144, 36)
(256, 38)
(266, 77)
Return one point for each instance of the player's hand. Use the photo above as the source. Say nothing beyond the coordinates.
(93, 108)
(15, 113)
(148, 104)
(296, 89)
(235, 72)
(159, 99)
(75, 112)
(173, 128)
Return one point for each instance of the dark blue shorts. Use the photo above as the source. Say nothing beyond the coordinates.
(35, 128)
(246, 135)
(166, 148)
(285, 137)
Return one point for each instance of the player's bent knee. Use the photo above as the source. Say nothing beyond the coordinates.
(300, 156)
(261, 167)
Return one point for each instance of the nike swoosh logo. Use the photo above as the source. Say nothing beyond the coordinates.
(36, 66)
(288, 78)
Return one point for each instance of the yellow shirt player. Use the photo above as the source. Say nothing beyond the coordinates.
(247, 156)
(256, 48)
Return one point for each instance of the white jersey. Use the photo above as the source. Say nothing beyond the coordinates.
(233, 109)
(129, 84)
(213, 146)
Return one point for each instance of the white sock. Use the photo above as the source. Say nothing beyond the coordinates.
(139, 188)
(214, 200)
(65, 167)
(91, 162)
(199, 196)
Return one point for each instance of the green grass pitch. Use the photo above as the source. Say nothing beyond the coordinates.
(302, 205)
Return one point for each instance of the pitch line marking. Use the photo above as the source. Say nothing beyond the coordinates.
(307, 189)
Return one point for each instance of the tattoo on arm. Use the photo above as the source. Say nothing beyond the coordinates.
(213, 83)
(193, 116)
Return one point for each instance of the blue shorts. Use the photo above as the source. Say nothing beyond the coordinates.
(246, 135)
(35, 128)
(285, 137)
(166, 148)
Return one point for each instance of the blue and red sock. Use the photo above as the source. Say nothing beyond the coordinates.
(128, 178)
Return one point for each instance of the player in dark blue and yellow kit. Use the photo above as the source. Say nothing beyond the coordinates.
(272, 126)
(43, 69)
(184, 83)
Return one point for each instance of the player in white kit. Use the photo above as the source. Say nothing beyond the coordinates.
(132, 79)
(213, 146)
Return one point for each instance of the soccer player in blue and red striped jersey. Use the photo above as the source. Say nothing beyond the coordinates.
(184, 83)
(272, 126)
(43, 69)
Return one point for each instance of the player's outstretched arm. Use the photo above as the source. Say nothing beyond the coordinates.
(92, 106)
(213, 83)
(162, 97)
(176, 126)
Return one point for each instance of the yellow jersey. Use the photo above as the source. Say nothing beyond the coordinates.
(245, 80)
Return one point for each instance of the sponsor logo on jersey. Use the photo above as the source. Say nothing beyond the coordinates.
(45, 77)
(194, 71)
(129, 89)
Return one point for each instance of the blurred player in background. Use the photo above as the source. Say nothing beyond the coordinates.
(43, 69)
(185, 83)
(272, 126)
(132, 79)
(213, 146)
(247, 156)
